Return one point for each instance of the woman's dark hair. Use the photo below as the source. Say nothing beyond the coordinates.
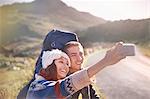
(50, 73)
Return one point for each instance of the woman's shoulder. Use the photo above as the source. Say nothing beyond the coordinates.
(40, 83)
(41, 88)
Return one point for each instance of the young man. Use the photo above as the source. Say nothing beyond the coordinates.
(76, 54)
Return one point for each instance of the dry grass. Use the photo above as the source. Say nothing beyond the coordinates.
(13, 79)
(145, 49)
(12, 82)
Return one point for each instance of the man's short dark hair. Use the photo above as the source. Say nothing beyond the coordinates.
(70, 44)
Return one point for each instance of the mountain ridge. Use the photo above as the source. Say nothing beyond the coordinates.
(136, 31)
(40, 17)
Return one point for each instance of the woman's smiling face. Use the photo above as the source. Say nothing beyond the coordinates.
(62, 66)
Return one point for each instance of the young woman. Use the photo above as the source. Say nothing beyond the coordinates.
(55, 66)
(55, 39)
(54, 85)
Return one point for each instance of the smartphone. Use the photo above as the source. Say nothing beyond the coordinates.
(129, 49)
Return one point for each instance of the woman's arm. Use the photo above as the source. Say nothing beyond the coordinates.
(80, 79)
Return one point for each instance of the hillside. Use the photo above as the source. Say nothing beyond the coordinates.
(37, 18)
(135, 31)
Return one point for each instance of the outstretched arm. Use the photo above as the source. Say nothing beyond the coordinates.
(81, 78)
(112, 56)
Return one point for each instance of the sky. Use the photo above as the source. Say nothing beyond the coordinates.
(2, 2)
(113, 9)
(108, 9)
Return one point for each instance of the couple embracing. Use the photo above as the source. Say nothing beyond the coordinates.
(58, 72)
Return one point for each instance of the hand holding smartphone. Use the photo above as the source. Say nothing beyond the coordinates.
(129, 49)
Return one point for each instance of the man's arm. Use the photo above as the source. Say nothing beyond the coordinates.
(113, 56)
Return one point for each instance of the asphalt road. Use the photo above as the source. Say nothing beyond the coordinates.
(128, 79)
